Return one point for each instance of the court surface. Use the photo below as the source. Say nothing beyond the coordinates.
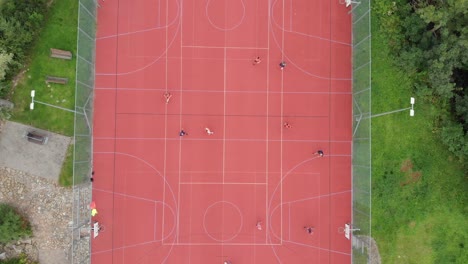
(244, 193)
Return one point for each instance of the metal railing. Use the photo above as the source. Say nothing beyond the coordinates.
(361, 219)
(83, 141)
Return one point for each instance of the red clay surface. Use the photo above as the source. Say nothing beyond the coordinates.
(163, 198)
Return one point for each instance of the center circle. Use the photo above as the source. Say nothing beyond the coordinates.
(225, 14)
(222, 221)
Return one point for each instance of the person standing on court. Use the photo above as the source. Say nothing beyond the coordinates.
(208, 131)
(319, 153)
(259, 225)
(282, 65)
(309, 229)
(167, 96)
(257, 61)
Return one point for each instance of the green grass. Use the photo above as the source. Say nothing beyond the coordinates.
(66, 174)
(60, 32)
(423, 221)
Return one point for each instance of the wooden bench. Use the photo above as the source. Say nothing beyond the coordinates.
(53, 79)
(36, 137)
(60, 54)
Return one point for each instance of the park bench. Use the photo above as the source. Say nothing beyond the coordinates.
(53, 79)
(36, 137)
(60, 54)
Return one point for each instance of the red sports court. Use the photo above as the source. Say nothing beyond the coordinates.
(255, 189)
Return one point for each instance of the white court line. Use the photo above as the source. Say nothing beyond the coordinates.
(319, 248)
(282, 130)
(232, 139)
(319, 196)
(165, 121)
(245, 172)
(126, 195)
(223, 244)
(312, 198)
(224, 183)
(283, 28)
(289, 221)
(220, 47)
(179, 4)
(155, 222)
(267, 214)
(224, 116)
(159, 14)
(180, 120)
(124, 247)
(224, 109)
(290, 15)
(220, 91)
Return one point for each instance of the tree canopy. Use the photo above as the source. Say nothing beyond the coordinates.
(20, 24)
(13, 226)
(429, 39)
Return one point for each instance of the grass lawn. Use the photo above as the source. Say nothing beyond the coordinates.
(60, 32)
(419, 190)
(66, 175)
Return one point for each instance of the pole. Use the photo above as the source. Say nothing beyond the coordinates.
(411, 108)
(391, 112)
(58, 107)
(31, 106)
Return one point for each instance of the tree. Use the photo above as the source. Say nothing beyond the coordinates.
(430, 40)
(5, 60)
(13, 226)
(20, 24)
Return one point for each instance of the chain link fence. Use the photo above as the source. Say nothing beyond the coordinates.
(361, 19)
(82, 156)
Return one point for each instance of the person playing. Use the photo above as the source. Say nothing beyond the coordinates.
(183, 133)
(282, 65)
(257, 61)
(319, 153)
(208, 131)
(167, 96)
(287, 125)
(309, 229)
(259, 225)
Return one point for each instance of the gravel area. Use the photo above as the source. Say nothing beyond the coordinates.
(28, 181)
(48, 208)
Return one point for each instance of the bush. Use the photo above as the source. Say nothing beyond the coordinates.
(428, 38)
(13, 226)
(20, 24)
(456, 140)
